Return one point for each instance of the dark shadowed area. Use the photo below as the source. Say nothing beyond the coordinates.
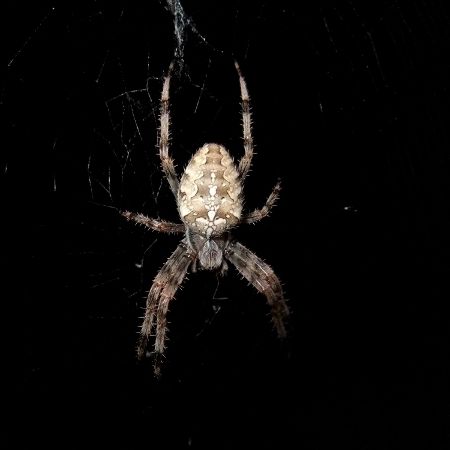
(350, 103)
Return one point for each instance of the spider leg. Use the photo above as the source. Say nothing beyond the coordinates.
(246, 160)
(157, 225)
(263, 278)
(167, 163)
(163, 289)
(263, 212)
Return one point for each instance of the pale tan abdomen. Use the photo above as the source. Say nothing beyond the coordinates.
(209, 198)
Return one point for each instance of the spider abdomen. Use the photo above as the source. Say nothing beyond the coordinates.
(209, 196)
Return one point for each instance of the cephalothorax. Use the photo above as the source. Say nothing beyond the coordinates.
(209, 199)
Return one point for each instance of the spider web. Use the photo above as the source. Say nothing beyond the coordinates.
(350, 106)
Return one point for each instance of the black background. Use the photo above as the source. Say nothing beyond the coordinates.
(351, 110)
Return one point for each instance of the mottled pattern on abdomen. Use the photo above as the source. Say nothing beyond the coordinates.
(209, 198)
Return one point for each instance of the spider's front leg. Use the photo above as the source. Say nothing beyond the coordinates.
(164, 287)
(263, 278)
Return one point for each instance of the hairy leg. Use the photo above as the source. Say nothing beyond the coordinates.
(167, 163)
(246, 160)
(260, 213)
(163, 289)
(263, 278)
(157, 225)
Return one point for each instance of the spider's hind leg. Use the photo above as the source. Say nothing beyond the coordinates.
(246, 160)
(167, 163)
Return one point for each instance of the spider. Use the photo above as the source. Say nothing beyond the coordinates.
(210, 203)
